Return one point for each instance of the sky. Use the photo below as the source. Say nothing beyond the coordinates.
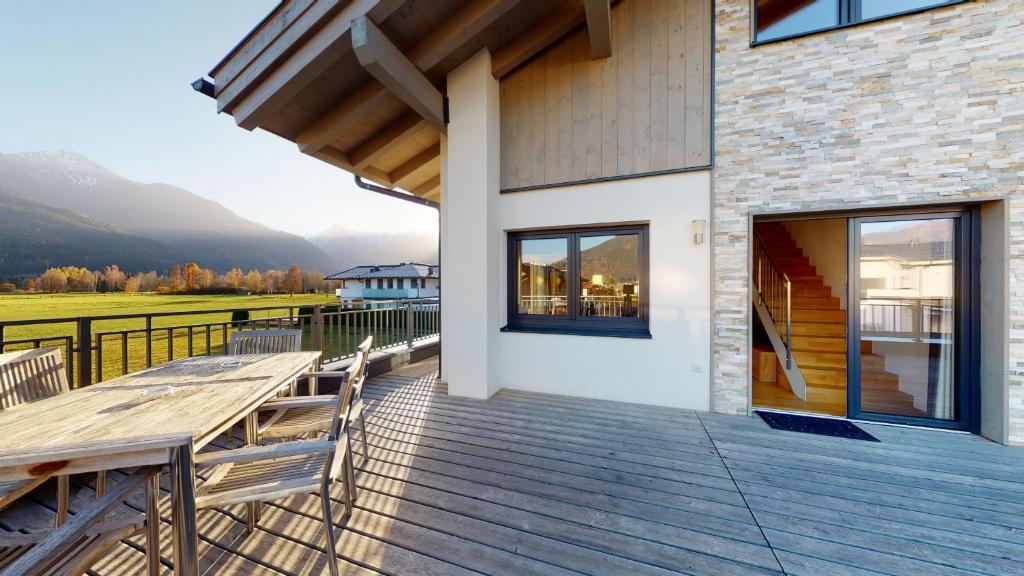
(110, 80)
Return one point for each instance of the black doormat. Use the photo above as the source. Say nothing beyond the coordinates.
(813, 425)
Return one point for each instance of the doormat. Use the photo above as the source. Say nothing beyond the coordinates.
(812, 425)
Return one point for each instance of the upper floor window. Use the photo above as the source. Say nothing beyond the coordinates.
(366, 284)
(401, 283)
(579, 281)
(778, 19)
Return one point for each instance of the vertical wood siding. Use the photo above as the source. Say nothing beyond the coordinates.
(647, 108)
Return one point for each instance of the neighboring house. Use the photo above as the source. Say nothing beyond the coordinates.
(388, 282)
(625, 190)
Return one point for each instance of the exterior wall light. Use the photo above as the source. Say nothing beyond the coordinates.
(698, 230)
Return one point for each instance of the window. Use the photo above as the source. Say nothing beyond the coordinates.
(391, 283)
(589, 281)
(380, 283)
(401, 283)
(423, 282)
(778, 19)
(366, 284)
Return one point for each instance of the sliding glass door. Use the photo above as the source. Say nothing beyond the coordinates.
(910, 318)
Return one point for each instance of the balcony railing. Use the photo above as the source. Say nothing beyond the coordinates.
(916, 318)
(93, 354)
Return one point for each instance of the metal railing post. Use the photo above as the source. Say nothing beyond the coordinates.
(149, 341)
(409, 318)
(84, 352)
(317, 338)
(789, 324)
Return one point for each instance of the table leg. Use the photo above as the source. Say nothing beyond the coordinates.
(183, 512)
(252, 509)
(153, 526)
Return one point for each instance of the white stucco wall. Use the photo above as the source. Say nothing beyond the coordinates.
(671, 368)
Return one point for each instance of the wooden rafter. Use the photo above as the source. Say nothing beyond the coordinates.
(539, 37)
(599, 27)
(279, 73)
(415, 163)
(385, 62)
(427, 187)
(385, 140)
(457, 31)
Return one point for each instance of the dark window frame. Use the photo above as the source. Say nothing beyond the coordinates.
(380, 283)
(573, 322)
(849, 15)
(367, 284)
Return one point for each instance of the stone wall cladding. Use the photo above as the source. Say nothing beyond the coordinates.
(916, 109)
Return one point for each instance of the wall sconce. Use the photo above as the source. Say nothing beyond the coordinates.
(698, 230)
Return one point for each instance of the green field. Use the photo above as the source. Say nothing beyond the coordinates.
(39, 306)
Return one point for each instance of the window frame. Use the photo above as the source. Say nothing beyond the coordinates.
(849, 15)
(573, 322)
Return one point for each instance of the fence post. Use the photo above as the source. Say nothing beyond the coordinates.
(317, 340)
(409, 319)
(84, 352)
(1, 338)
(149, 341)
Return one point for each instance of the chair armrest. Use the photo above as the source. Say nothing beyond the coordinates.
(254, 453)
(298, 402)
(328, 374)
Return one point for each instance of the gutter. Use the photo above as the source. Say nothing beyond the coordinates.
(396, 194)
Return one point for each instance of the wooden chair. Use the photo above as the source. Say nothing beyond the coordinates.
(31, 375)
(257, 474)
(27, 376)
(88, 535)
(265, 341)
(312, 414)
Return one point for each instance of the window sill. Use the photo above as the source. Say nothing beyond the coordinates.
(642, 334)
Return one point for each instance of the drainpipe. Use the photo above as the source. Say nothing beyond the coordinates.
(422, 202)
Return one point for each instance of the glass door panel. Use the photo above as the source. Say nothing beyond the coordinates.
(907, 272)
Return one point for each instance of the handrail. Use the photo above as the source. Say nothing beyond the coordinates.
(121, 349)
(777, 294)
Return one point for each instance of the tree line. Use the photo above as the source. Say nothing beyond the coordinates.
(188, 279)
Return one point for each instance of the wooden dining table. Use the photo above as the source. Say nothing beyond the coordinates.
(160, 415)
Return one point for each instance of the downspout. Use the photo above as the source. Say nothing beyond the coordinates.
(422, 202)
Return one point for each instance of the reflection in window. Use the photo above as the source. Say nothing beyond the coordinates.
(543, 277)
(781, 18)
(879, 8)
(610, 275)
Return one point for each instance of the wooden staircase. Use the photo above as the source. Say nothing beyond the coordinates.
(819, 337)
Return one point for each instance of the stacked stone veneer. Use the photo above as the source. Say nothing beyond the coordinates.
(921, 108)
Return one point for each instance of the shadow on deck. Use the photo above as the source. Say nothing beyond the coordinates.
(527, 483)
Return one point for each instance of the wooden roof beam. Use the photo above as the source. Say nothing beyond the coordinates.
(432, 183)
(385, 62)
(537, 38)
(280, 72)
(599, 27)
(385, 140)
(413, 164)
(435, 47)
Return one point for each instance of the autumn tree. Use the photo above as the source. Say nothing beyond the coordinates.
(254, 281)
(190, 276)
(292, 282)
(53, 280)
(272, 281)
(133, 284)
(114, 278)
(208, 279)
(176, 279)
(234, 278)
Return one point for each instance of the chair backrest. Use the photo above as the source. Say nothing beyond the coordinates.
(30, 375)
(363, 358)
(265, 341)
(351, 380)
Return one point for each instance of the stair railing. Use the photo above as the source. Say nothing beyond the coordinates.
(775, 291)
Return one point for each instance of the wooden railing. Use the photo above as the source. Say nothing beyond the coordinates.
(775, 291)
(93, 354)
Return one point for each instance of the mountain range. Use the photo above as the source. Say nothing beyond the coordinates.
(61, 208)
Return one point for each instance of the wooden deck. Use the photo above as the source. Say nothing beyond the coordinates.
(526, 483)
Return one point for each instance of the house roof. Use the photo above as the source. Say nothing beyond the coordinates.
(359, 84)
(410, 270)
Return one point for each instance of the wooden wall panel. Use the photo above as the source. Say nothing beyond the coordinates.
(647, 108)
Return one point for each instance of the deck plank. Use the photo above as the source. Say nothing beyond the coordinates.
(527, 483)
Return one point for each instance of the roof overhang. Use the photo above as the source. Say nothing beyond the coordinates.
(360, 83)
